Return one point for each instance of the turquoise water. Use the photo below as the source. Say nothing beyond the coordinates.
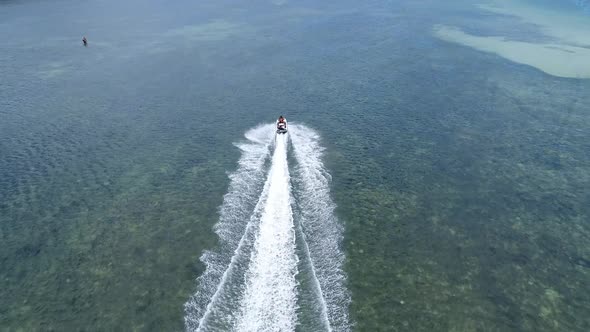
(461, 179)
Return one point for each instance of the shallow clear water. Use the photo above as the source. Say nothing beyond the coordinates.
(461, 179)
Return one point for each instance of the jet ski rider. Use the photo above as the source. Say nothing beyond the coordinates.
(281, 123)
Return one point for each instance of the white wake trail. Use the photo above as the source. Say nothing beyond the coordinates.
(215, 292)
(269, 301)
(251, 280)
(322, 230)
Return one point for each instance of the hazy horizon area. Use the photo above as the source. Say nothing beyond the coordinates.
(435, 176)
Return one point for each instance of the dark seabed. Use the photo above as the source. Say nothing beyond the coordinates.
(462, 178)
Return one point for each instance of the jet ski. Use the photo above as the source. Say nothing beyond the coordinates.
(281, 125)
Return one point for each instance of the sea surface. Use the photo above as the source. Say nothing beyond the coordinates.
(435, 177)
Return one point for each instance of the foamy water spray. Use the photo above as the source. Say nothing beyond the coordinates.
(321, 228)
(250, 282)
(269, 302)
(213, 292)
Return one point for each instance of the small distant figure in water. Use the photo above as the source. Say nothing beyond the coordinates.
(85, 41)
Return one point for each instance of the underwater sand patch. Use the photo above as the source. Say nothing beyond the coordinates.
(213, 31)
(566, 55)
(278, 2)
(554, 59)
(566, 27)
(53, 70)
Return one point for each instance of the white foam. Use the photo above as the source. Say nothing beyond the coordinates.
(269, 301)
(250, 282)
(322, 230)
(235, 214)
